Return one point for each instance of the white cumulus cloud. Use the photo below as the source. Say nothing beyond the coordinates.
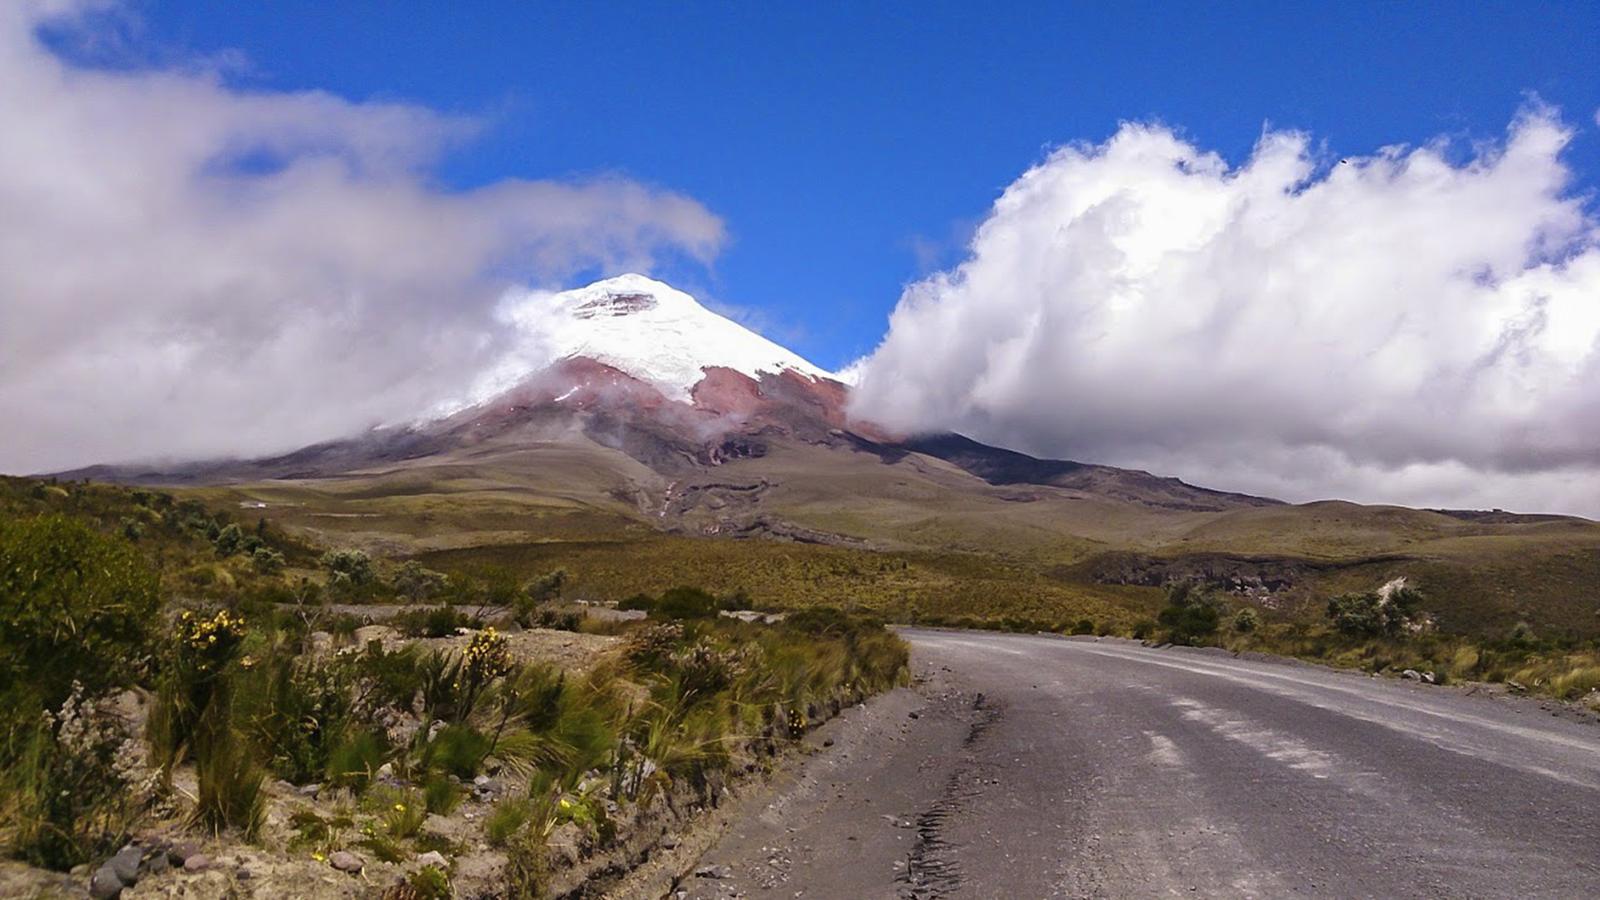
(190, 268)
(1416, 325)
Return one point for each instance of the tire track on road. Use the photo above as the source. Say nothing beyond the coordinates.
(932, 870)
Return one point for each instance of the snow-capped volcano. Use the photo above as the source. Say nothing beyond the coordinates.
(637, 325)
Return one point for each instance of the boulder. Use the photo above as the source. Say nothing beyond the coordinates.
(104, 884)
(180, 852)
(126, 864)
(1411, 675)
(345, 861)
(197, 862)
(434, 858)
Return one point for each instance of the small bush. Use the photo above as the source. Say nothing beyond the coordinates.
(267, 561)
(74, 786)
(354, 762)
(506, 820)
(1246, 621)
(229, 540)
(75, 606)
(402, 813)
(638, 603)
(431, 622)
(440, 795)
(1191, 614)
(347, 568)
(652, 647)
(556, 620)
(547, 587)
(684, 603)
(458, 750)
(1388, 611)
(296, 712)
(427, 883)
(392, 679)
(416, 583)
(1083, 626)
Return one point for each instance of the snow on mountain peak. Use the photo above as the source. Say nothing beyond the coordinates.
(632, 323)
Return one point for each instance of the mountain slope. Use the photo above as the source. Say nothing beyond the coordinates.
(631, 419)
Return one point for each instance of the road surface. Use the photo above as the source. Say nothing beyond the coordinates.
(1030, 766)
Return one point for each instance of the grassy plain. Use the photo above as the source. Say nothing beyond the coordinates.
(916, 538)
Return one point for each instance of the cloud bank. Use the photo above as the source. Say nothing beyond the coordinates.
(1416, 326)
(191, 269)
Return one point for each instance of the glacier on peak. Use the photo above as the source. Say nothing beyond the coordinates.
(640, 326)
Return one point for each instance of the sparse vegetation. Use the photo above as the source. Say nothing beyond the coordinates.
(687, 698)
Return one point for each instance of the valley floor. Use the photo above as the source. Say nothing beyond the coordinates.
(1031, 766)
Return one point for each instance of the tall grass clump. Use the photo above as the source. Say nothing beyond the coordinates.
(77, 623)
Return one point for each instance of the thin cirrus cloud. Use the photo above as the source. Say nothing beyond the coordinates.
(191, 269)
(1407, 326)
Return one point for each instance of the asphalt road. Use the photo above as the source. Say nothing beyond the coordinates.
(1030, 766)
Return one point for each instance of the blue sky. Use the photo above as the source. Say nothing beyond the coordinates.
(851, 147)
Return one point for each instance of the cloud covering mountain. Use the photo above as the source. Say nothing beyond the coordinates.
(1416, 325)
(190, 268)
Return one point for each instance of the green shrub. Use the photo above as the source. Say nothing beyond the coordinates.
(431, 622)
(416, 583)
(402, 812)
(75, 605)
(355, 761)
(458, 750)
(348, 568)
(1084, 626)
(1246, 620)
(296, 711)
(684, 603)
(1386, 612)
(390, 678)
(555, 619)
(546, 587)
(267, 561)
(506, 820)
(427, 883)
(440, 795)
(229, 540)
(1191, 614)
(638, 603)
